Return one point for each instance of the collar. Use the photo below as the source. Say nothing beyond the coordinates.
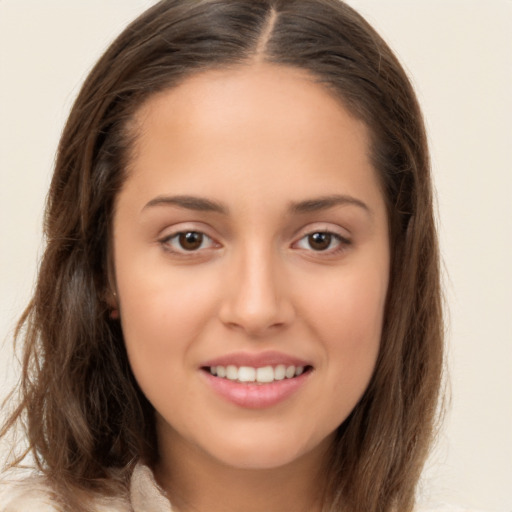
(145, 494)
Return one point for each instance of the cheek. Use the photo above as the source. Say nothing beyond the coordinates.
(348, 318)
(350, 305)
(161, 316)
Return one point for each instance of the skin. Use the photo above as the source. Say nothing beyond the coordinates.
(255, 140)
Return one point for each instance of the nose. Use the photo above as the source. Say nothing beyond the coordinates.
(256, 298)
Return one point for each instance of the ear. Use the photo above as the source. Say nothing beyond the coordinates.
(110, 293)
(110, 297)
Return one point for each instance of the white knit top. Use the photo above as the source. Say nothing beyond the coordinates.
(32, 495)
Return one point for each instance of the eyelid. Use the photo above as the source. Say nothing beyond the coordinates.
(173, 233)
(344, 240)
(176, 236)
(323, 227)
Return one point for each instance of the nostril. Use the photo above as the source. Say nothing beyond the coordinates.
(256, 317)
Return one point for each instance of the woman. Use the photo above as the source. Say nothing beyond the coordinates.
(238, 305)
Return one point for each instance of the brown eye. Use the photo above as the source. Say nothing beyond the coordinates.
(325, 242)
(320, 241)
(188, 243)
(191, 240)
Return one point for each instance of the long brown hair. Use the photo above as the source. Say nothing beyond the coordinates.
(85, 418)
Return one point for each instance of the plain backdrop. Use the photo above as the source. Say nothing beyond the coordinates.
(458, 54)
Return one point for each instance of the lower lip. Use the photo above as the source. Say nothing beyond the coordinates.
(256, 396)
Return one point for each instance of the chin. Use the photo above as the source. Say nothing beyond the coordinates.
(259, 459)
(268, 453)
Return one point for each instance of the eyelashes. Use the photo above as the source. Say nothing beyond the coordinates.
(192, 243)
(322, 241)
(188, 242)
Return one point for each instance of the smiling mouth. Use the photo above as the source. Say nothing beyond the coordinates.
(260, 375)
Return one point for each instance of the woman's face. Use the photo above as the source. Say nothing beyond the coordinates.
(250, 245)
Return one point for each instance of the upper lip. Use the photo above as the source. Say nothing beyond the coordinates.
(256, 359)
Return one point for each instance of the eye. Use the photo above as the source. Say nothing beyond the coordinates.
(322, 241)
(188, 241)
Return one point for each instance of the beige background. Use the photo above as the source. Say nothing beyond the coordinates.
(458, 53)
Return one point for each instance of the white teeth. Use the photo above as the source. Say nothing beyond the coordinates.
(279, 372)
(265, 374)
(246, 374)
(262, 375)
(232, 372)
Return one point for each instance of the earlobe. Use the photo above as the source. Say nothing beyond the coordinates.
(110, 294)
(112, 303)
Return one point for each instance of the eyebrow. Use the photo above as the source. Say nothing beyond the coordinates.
(326, 202)
(199, 204)
(202, 204)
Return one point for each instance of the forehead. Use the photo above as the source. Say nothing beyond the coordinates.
(271, 96)
(259, 129)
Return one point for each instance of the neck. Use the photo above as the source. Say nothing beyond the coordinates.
(196, 482)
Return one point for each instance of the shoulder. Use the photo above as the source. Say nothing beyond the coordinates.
(26, 495)
(34, 494)
(444, 508)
